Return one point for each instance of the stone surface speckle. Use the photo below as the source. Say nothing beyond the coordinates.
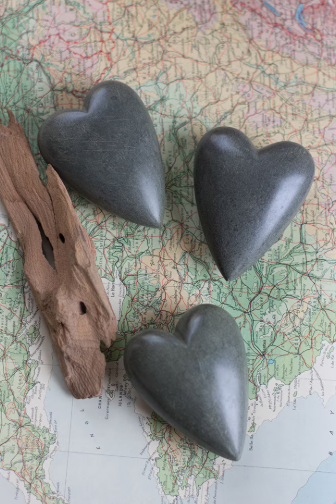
(247, 197)
(109, 153)
(196, 379)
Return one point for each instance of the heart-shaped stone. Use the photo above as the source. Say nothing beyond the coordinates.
(247, 197)
(109, 153)
(195, 379)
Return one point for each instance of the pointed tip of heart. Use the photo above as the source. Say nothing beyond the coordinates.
(156, 216)
(233, 454)
(229, 276)
(234, 450)
(155, 222)
(153, 216)
(230, 271)
(232, 275)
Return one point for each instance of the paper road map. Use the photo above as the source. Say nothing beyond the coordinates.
(269, 69)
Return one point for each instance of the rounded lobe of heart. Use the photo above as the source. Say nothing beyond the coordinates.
(246, 198)
(195, 379)
(109, 153)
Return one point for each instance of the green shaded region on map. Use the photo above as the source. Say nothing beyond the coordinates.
(24, 446)
(179, 459)
(195, 67)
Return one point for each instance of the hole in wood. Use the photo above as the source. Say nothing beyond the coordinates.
(61, 237)
(82, 308)
(47, 248)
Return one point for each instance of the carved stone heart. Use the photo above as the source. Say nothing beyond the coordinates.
(247, 197)
(109, 153)
(195, 379)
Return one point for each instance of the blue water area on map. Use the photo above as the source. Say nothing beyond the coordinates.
(104, 435)
(281, 457)
(9, 492)
(321, 486)
(299, 17)
(271, 361)
(271, 8)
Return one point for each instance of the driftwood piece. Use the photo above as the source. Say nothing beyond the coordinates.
(70, 295)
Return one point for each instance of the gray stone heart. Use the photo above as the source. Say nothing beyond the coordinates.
(247, 197)
(109, 153)
(195, 379)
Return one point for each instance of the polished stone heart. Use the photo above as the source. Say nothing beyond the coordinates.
(247, 197)
(195, 379)
(109, 153)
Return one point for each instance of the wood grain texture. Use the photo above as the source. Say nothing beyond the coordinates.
(70, 295)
